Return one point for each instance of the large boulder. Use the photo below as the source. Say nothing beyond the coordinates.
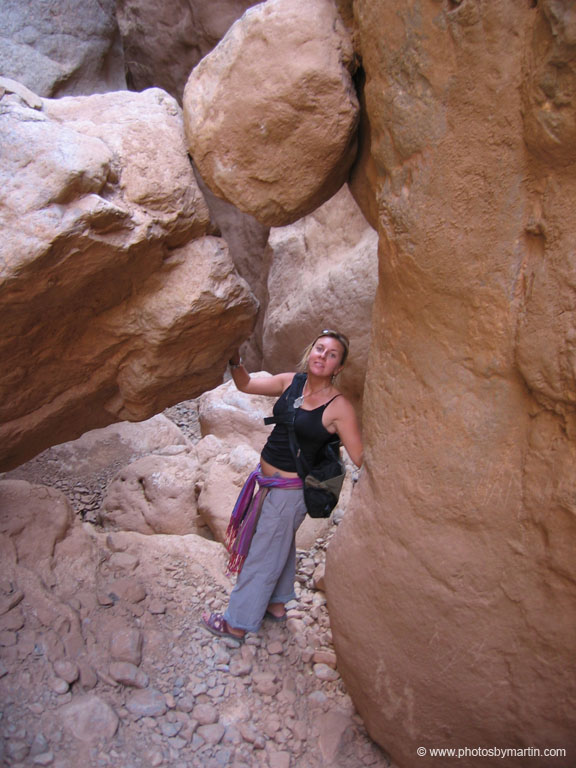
(271, 130)
(118, 444)
(72, 598)
(451, 581)
(114, 305)
(223, 476)
(62, 47)
(324, 274)
(226, 466)
(83, 468)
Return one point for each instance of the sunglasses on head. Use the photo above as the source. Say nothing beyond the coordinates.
(338, 336)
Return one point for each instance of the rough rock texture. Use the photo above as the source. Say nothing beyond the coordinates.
(84, 468)
(363, 179)
(155, 494)
(61, 47)
(113, 304)
(226, 468)
(123, 442)
(35, 518)
(276, 139)
(324, 274)
(163, 42)
(451, 584)
(224, 475)
(231, 415)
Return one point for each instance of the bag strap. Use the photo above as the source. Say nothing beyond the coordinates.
(294, 390)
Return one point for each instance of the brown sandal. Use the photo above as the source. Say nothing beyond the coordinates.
(217, 625)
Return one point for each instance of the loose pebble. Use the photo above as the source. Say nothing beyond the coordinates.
(149, 702)
(46, 758)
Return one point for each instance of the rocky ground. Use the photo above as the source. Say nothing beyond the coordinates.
(167, 692)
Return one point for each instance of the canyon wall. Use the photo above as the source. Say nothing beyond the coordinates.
(451, 584)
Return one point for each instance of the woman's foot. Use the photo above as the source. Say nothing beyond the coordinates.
(217, 625)
(276, 612)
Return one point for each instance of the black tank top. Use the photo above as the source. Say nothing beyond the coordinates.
(311, 434)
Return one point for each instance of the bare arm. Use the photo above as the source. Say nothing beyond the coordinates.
(262, 385)
(343, 421)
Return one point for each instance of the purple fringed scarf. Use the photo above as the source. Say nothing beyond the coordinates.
(246, 513)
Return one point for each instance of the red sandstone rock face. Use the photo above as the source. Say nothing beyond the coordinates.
(277, 138)
(113, 303)
(451, 584)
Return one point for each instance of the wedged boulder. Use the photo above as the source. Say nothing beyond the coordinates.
(451, 580)
(114, 305)
(80, 53)
(155, 494)
(164, 41)
(324, 274)
(271, 130)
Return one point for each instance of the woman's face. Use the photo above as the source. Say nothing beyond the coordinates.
(325, 357)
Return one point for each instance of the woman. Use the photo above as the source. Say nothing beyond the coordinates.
(266, 579)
